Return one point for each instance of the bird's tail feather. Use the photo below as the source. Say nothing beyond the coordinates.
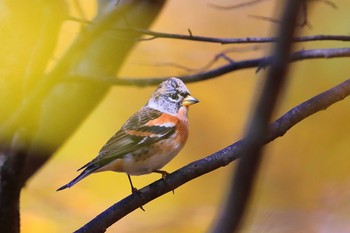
(90, 169)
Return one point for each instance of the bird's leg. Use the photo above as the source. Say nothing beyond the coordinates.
(134, 190)
(164, 175)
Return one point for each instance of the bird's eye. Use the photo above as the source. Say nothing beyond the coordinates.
(174, 96)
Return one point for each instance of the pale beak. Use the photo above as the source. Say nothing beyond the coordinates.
(189, 100)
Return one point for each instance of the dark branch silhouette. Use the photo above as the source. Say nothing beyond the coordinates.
(243, 178)
(212, 162)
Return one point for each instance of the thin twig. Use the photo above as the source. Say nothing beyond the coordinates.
(246, 40)
(328, 3)
(304, 22)
(236, 6)
(219, 159)
(80, 11)
(79, 20)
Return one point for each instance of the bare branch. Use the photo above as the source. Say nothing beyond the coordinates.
(236, 6)
(214, 73)
(304, 16)
(329, 3)
(265, 18)
(247, 40)
(304, 22)
(255, 2)
(219, 159)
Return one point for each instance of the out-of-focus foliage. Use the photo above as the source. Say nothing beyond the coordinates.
(27, 45)
(304, 182)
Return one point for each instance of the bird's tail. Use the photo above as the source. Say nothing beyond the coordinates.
(89, 169)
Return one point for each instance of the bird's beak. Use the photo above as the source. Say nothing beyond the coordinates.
(189, 100)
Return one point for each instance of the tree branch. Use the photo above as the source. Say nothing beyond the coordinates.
(216, 72)
(247, 40)
(58, 73)
(10, 185)
(243, 178)
(40, 113)
(94, 51)
(236, 6)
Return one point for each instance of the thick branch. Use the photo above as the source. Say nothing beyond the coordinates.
(214, 161)
(10, 185)
(23, 62)
(94, 51)
(244, 176)
(58, 74)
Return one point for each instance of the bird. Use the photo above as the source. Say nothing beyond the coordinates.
(149, 139)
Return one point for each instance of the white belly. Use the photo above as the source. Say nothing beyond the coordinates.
(134, 166)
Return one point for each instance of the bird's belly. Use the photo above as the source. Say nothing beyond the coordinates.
(145, 161)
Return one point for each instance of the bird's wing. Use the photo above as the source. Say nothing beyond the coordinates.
(134, 135)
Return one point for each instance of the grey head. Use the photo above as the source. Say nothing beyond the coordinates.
(170, 96)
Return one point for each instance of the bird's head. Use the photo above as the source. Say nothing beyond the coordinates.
(170, 96)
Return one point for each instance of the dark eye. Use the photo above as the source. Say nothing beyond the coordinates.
(184, 94)
(174, 96)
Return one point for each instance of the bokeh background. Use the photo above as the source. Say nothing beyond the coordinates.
(304, 183)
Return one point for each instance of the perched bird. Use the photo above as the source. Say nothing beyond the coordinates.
(149, 139)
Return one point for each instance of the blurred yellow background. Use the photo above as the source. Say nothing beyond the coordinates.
(304, 183)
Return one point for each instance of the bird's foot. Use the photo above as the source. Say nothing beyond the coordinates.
(164, 176)
(134, 190)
